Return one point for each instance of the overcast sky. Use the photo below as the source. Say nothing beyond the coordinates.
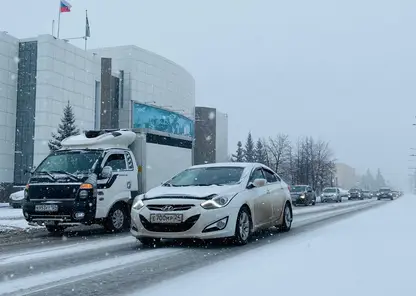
(339, 70)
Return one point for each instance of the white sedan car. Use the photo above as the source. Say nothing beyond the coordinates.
(221, 200)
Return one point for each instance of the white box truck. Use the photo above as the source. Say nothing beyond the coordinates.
(95, 176)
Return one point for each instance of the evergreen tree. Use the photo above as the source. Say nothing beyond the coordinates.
(380, 182)
(239, 154)
(249, 153)
(66, 128)
(260, 152)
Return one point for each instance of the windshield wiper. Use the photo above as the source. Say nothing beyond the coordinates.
(45, 173)
(66, 173)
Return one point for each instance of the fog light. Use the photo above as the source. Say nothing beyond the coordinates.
(217, 225)
(79, 215)
(25, 214)
(83, 194)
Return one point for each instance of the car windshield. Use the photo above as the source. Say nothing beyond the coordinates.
(206, 176)
(330, 190)
(72, 162)
(298, 188)
(354, 190)
(385, 190)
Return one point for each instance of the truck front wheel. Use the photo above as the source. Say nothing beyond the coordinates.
(54, 229)
(117, 219)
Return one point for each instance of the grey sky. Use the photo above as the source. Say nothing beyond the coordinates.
(343, 71)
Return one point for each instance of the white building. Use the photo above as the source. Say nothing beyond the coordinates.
(117, 87)
(152, 80)
(9, 47)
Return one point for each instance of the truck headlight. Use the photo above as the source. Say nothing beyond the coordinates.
(138, 202)
(217, 201)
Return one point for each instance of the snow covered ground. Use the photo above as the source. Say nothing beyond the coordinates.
(12, 219)
(372, 253)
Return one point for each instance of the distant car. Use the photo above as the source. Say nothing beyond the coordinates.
(385, 193)
(331, 194)
(366, 194)
(355, 193)
(302, 195)
(213, 201)
(16, 199)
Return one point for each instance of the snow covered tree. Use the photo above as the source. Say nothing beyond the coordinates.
(66, 128)
(380, 181)
(239, 154)
(260, 152)
(249, 149)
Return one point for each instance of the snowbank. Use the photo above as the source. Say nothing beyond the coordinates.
(371, 253)
(12, 220)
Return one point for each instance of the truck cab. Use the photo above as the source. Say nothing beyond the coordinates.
(92, 179)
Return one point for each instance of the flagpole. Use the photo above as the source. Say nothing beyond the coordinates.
(59, 19)
(86, 38)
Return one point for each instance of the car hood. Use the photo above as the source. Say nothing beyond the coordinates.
(199, 192)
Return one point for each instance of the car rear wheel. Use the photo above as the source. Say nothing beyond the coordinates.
(243, 227)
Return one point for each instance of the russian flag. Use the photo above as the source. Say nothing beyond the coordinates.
(65, 6)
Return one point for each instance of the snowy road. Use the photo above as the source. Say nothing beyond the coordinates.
(101, 264)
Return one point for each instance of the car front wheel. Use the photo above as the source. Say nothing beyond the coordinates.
(287, 219)
(243, 227)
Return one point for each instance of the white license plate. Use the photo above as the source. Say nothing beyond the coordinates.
(166, 218)
(46, 208)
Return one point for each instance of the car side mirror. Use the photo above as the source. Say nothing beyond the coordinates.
(309, 190)
(257, 183)
(106, 173)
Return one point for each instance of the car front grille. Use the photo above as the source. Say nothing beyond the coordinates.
(161, 227)
(170, 208)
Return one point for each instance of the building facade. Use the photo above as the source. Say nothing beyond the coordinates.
(108, 88)
(211, 136)
(345, 176)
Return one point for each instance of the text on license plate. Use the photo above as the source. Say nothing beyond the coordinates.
(166, 218)
(46, 208)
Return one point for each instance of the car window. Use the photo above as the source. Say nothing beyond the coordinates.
(117, 162)
(257, 174)
(270, 177)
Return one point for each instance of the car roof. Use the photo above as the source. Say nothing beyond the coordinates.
(249, 165)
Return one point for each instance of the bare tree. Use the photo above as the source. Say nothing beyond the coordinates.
(277, 149)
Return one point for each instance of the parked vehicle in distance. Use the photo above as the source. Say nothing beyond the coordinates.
(16, 199)
(343, 192)
(95, 176)
(385, 193)
(331, 194)
(302, 195)
(355, 193)
(213, 201)
(366, 194)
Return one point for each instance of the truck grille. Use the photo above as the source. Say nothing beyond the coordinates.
(159, 227)
(170, 208)
(52, 191)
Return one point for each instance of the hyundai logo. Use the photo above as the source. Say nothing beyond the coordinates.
(167, 208)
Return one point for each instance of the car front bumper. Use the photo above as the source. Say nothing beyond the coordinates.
(196, 222)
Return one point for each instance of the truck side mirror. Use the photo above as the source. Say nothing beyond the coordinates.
(107, 172)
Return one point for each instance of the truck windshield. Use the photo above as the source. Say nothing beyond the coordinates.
(206, 176)
(73, 162)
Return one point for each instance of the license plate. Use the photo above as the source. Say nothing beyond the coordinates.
(166, 218)
(46, 208)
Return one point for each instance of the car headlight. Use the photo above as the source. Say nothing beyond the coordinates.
(302, 195)
(217, 201)
(138, 202)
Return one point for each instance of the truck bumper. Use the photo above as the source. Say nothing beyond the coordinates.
(69, 213)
